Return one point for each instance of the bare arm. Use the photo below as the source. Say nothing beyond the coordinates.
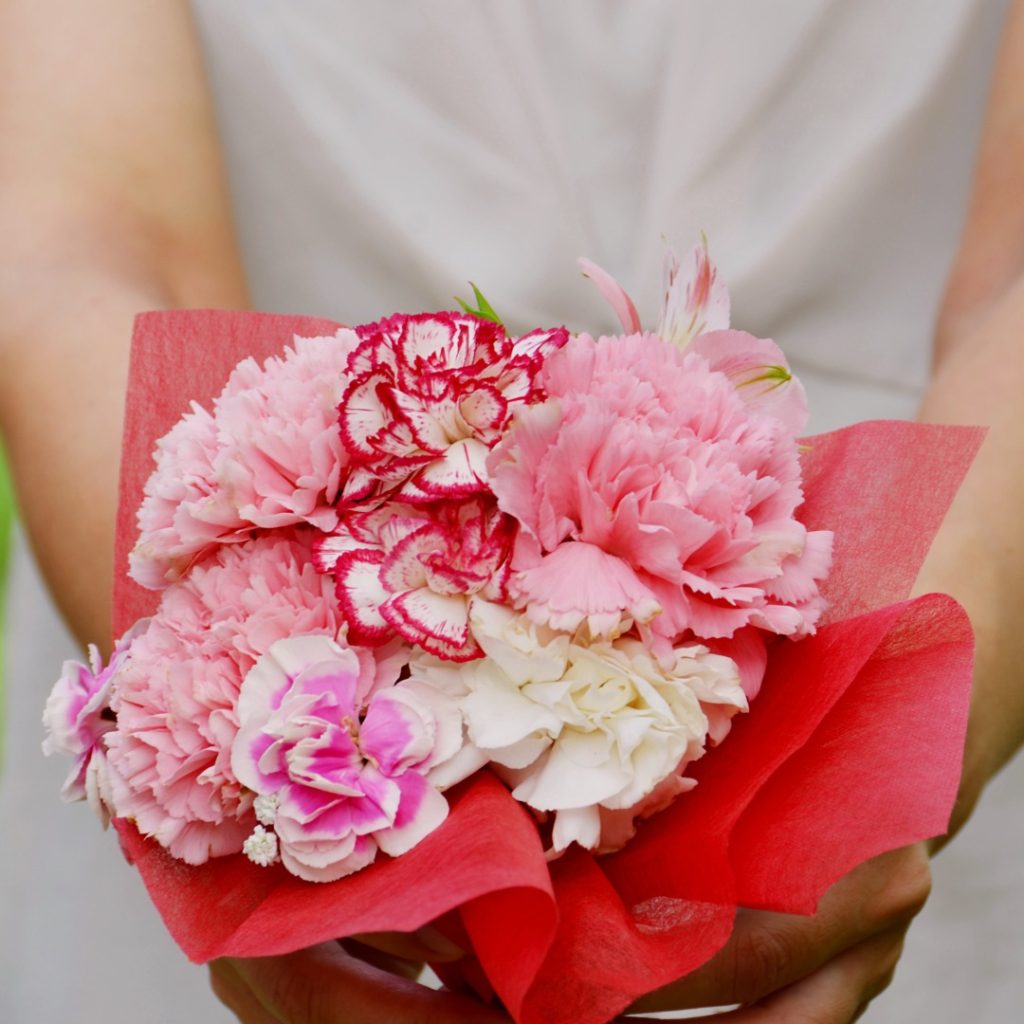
(112, 200)
(979, 378)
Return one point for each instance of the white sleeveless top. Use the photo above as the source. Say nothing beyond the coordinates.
(383, 154)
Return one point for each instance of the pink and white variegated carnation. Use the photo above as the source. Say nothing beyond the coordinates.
(415, 571)
(429, 395)
(596, 732)
(78, 717)
(176, 692)
(269, 455)
(658, 487)
(339, 767)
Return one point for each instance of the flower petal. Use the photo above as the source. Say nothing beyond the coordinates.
(361, 594)
(695, 299)
(500, 716)
(580, 825)
(614, 294)
(759, 372)
(421, 810)
(459, 472)
(439, 623)
(579, 583)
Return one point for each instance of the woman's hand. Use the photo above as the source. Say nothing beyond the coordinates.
(825, 969)
(364, 982)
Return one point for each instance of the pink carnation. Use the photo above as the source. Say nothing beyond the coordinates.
(429, 395)
(415, 571)
(269, 456)
(184, 513)
(177, 691)
(339, 774)
(663, 492)
(281, 458)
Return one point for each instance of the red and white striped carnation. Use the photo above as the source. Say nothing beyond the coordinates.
(428, 395)
(415, 571)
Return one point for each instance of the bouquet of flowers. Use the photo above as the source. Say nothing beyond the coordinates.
(568, 644)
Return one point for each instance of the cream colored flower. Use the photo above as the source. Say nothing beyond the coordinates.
(579, 727)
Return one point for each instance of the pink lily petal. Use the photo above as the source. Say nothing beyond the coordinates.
(695, 299)
(759, 372)
(614, 294)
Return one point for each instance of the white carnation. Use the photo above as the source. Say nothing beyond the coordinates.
(580, 727)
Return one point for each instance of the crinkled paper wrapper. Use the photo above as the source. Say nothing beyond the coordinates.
(852, 748)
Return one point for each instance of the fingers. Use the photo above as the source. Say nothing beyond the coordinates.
(838, 993)
(397, 965)
(325, 985)
(768, 952)
(427, 944)
(403, 953)
(236, 995)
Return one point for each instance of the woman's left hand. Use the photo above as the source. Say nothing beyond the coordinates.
(825, 969)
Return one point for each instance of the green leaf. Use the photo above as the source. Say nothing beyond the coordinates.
(484, 310)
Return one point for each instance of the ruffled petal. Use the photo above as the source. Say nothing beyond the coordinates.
(579, 583)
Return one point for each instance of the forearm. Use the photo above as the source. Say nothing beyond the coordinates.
(978, 556)
(63, 395)
(978, 378)
(112, 201)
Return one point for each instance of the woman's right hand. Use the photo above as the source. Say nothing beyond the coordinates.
(329, 984)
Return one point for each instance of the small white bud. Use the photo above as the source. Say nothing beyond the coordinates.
(265, 806)
(261, 847)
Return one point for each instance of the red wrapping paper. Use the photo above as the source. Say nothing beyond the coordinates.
(853, 746)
